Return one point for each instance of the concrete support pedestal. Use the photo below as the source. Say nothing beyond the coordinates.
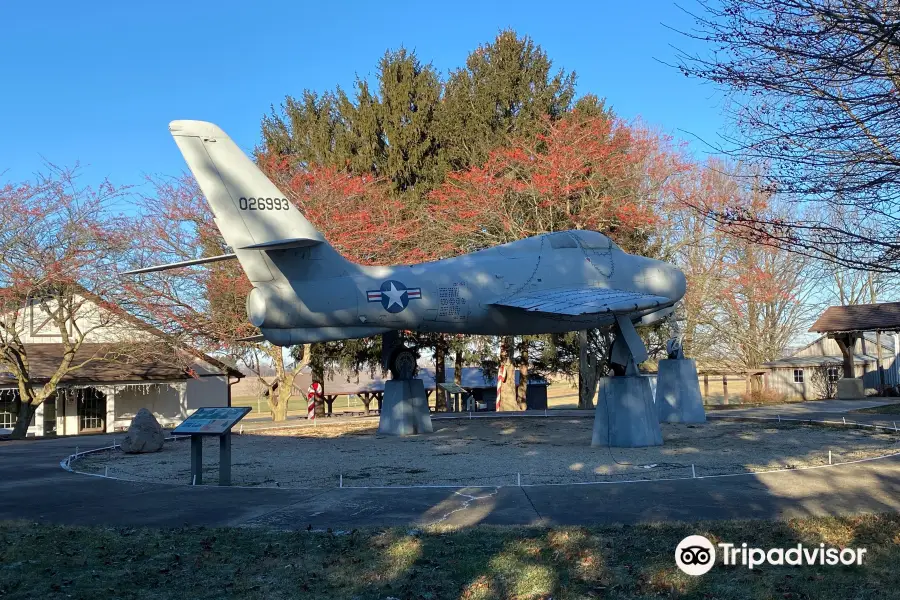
(626, 415)
(678, 398)
(850, 389)
(404, 410)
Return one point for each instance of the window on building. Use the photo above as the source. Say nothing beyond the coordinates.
(91, 409)
(8, 408)
(798, 375)
(834, 373)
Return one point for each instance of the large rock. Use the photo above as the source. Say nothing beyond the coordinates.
(144, 434)
(850, 389)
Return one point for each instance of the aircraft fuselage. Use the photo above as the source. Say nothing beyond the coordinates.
(455, 295)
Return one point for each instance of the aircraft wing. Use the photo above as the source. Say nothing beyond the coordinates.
(582, 301)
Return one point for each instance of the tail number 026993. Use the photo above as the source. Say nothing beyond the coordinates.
(263, 203)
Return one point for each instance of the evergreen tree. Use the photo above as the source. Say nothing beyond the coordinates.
(504, 91)
(409, 96)
(390, 135)
(307, 131)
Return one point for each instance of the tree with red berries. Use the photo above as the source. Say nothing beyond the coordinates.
(60, 246)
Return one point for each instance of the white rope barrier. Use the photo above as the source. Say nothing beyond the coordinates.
(67, 462)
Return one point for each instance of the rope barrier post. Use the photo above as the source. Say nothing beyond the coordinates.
(829, 457)
(693, 472)
(519, 479)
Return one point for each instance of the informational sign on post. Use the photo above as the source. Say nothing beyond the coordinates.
(211, 421)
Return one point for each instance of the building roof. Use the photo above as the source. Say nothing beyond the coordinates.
(887, 343)
(884, 316)
(817, 361)
(139, 323)
(108, 363)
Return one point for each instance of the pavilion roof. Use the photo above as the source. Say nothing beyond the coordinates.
(884, 316)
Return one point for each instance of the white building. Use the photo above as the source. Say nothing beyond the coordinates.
(812, 371)
(128, 365)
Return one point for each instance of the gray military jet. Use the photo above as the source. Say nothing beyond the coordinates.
(305, 291)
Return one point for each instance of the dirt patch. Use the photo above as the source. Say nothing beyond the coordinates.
(488, 452)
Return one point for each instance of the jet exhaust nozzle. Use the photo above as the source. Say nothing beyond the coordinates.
(267, 307)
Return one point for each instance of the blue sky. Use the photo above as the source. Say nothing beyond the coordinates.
(97, 82)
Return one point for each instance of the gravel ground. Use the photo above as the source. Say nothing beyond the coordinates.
(489, 452)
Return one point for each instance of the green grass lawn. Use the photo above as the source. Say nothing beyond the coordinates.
(887, 409)
(44, 561)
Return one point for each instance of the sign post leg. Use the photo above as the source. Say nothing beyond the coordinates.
(196, 459)
(225, 459)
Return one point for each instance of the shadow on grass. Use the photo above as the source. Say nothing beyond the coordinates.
(474, 563)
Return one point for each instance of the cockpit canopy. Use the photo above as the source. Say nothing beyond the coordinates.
(591, 241)
(588, 240)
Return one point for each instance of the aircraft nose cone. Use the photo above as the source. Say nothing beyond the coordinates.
(679, 283)
(665, 280)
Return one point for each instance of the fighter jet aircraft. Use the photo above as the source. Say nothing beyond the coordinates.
(305, 291)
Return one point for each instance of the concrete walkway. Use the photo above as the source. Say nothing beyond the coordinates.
(33, 487)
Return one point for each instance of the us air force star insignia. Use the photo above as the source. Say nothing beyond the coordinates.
(394, 296)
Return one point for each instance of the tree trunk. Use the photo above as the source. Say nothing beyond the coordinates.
(587, 373)
(283, 394)
(440, 376)
(280, 389)
(278, 405)
(366, 400)
(23, 420)
(317, 368)
(845, 343)
(522, 388)
(756, 386)
(506, 389)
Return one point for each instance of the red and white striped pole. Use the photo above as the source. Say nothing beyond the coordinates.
(314, 390)
(501, 377)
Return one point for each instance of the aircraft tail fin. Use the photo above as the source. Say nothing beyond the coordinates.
(253, 215)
